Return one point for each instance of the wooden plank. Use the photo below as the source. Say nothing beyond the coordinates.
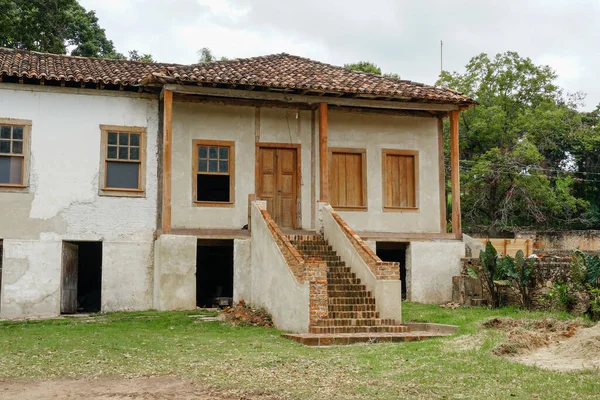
(402, 236)
(70, 262)
(292, 98)
(442, 173)
(455, 174)
(212, 233)
(323, 164)
(167, 159)
(410, 181)
(313, 168)
(257, 125)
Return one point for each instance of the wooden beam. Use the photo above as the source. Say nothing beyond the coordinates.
(167, 159)
(442, 172)
(257, 125)
(313, 168)
(455, 175)
(323, 152)
(380, 111)
(294, 98)
(222, 101)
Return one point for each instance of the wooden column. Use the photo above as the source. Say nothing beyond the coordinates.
(455, 175)
(167, 159)
(442, 171)
(323, 165)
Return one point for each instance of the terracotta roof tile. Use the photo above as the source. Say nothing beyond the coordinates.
(279, 71)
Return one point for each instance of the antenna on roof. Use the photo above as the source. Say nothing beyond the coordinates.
(441, 57)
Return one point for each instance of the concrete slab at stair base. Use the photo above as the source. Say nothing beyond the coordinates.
(175, 272)
(418, 331)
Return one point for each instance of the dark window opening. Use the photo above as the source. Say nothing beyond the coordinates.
(213, 188)
(214, 273)
(82, 277)
(391, 251)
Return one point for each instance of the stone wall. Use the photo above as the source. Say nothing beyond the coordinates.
(547, 271)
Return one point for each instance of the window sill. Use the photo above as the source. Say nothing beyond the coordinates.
(213, 204)
(401, 209)
(13, 188)
(122, 193)
(350, 208)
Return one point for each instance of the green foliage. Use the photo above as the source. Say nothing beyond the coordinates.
(518, 271)
(206, 55)
(559, 296)
(490, 271)
(585, 269)
(372, 68)
(594, 303)
(135, 56)
(525, 149)
(53, 26)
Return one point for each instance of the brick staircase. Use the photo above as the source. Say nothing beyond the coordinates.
(352, 313)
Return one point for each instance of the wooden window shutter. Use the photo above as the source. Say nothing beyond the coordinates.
(347, 178)
(400, 179)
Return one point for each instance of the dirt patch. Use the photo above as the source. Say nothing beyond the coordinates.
(245, 315)
(582, 351)
(118, 389)
(549, 343)
(527, 335)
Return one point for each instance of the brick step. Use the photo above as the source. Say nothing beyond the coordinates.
(343, 281)
(305, 238)
(340, 275)
(355, 294)
(332, 308)
(353, 314)
(359, 329)
(315, 248)
(344, 287)
(313, 339)
(356, 322)
(351, 300)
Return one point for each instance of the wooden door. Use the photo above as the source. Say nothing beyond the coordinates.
(70, 261)
(277, 180)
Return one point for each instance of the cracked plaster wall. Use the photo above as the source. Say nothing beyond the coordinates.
(62, 202)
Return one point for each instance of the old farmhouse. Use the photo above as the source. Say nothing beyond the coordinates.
(313, 190)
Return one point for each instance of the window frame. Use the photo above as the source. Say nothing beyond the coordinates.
(122, 192)
(398, 152)
(219, 143)
(363, 160)
(26, 156)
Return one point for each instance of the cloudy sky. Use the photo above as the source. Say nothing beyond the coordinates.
(398, 35)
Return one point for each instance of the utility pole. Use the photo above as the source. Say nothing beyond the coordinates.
(441, 57)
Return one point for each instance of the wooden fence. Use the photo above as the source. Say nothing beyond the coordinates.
(510, 246)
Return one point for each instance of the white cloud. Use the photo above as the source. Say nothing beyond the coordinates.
(399, 35)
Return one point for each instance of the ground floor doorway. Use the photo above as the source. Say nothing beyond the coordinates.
(214, 273)
(395, 251)
(81, 277)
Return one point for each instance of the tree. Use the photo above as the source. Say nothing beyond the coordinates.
(135, 56)
(57, 26)
(53, 26)
(515, 146)
(367, 66)
(206, 55)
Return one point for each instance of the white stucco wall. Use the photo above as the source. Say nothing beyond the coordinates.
(62, 202)
(430, 266)
(274, 285)
(232, 123)
(374, 133)
(242, 269)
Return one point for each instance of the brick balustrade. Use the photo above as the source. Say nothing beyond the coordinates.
(383, 270)
(311, 270)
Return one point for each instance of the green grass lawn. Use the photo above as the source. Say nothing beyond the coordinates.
(258, 360)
